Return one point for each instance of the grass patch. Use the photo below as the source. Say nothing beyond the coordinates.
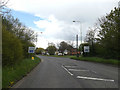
(97, 59)
(10, 75)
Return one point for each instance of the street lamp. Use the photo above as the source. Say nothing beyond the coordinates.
(80, 31)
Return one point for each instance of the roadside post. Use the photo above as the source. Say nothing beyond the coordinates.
(32, 58)
(31, 50)
(77, 54)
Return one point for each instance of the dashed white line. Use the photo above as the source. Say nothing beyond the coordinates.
(91, 78)
(67, 70)
(77, 70)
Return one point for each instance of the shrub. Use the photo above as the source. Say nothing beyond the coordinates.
(11, 48)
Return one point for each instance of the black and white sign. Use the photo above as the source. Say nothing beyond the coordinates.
(31, 49)
(86, 49)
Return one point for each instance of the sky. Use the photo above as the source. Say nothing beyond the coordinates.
(54, 18)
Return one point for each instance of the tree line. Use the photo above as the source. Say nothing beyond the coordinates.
(16, 38)
(61, 47)
(104, 38)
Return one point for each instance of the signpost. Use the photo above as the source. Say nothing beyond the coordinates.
(31, 50)
(86, 49)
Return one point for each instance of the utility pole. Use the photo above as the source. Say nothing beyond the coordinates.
(77, 46)
(80, 33)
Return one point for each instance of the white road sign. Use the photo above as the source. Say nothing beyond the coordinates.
(86, 49)
(31, 49)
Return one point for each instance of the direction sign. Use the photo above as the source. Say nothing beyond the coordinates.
(86, 49)
(31, 49)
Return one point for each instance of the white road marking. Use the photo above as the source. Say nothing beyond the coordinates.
(77, 70)
(95, 78)
(70, 66)
(67, 70)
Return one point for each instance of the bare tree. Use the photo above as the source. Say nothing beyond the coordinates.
(90, 36)
(3, 7)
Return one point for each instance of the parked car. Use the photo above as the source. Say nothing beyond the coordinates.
(59, 54)
(48, 54)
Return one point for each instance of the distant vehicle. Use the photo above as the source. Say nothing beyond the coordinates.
(59, 54)
(65, 52)
(47, 53)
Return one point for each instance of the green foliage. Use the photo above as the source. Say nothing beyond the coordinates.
(82, 47)
(12, 48)
(51, 50)
(16, 40)
(109, 35)
(65, 46)
(24, 34)
(18, 71)
(90, 39)
(25, 45)
(99, 60)
(39, 50)
(107, 43)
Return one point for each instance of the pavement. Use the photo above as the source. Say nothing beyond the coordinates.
(59, 72)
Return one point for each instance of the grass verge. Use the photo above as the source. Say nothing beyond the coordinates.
(10, 75)
(97, 59)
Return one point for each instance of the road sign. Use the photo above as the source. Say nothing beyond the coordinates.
(31, 49)
(86, 49)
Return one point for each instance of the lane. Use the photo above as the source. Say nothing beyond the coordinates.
(54, 72)
(48, 74)
(96, 70)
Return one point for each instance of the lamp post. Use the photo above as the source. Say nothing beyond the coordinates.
(80, 31)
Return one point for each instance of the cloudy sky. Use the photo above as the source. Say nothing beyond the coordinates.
(54, 18)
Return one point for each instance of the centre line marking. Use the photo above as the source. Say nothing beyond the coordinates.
(95, 78)
(77, 70)
(67, 70)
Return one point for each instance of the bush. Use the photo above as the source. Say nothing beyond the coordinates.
(12, 51)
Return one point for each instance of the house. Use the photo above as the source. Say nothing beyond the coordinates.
(74, 51)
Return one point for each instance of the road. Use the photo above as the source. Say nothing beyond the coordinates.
(56, 72)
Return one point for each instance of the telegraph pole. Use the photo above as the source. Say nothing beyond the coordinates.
(80, 33)
(77, 46)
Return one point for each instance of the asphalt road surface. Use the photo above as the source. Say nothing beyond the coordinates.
(55, 72)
